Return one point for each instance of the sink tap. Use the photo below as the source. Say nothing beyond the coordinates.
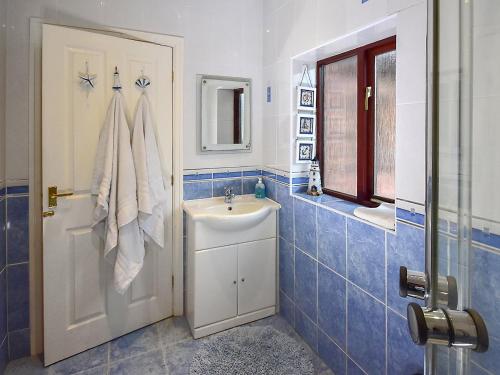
(228, 195)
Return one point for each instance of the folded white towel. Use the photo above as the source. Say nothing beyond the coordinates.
(151, 194)
(114, 183)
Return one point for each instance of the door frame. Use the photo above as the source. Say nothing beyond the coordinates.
(35, 164)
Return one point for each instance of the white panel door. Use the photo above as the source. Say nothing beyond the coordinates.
(257, 275)
(81, 307)
(215, 285)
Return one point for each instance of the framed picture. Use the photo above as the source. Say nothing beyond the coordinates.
(306, 125)
(306, 98)
(305, 152)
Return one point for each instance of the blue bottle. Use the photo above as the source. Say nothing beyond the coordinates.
(260, 189)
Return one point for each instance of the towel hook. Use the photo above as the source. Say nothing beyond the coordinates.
(117, 86)
(87, 79)
(143, 81)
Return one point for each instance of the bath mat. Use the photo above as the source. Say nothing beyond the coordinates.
(251, 351)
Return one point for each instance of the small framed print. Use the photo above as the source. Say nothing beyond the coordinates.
(306, 125)
(305, 151)
(306, 98)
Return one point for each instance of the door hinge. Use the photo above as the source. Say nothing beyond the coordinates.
(172, 180)
(173, 76)
(173, 281)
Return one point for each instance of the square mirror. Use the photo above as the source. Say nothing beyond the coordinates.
(225, 123)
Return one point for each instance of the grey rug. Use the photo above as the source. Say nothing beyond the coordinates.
(251, 350)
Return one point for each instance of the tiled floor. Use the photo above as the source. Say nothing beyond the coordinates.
(162, 348)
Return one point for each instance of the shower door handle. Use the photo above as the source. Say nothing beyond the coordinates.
(414, 284)
(452, 328)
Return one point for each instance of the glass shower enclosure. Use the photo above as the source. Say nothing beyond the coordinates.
(459, 317)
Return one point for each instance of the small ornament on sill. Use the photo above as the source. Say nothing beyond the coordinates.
(314, 187)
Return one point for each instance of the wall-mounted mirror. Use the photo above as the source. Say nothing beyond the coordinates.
(225, 123)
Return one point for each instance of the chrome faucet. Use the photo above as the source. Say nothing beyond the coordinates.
(228, 195)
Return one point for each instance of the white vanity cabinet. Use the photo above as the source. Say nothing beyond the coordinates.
(230, 282)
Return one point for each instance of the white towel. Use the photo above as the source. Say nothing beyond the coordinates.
(114, 183)
(151, 194)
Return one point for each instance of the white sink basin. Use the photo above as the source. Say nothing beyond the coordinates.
(245, 211)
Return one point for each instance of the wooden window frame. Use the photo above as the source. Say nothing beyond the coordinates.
(365, 119)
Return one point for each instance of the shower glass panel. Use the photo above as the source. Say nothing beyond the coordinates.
(468, 159)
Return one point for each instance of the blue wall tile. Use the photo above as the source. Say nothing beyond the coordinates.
(306, 284)
(331, 240)
(256, 172)
(489, 360)
(332, 304)
(270, 188)
(220, 185)
(331, 354)
(307, 329)
(22, 189)
(286, 212)
(485, 294)
(412, 217)
(197, 190)
(249, 185)
(19, 344)
(3, 254)
(305, 227)
(197, 177)
(4, 354)
(18, 229)
(365, 330)
(287, 309)
(403, 356)
(18, 296)
(366, 257)
(286, 267)
(406, 248)
(489, 239)
(353, 369)
(3, 304)
(227, 174)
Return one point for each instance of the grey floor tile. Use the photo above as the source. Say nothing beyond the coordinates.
(178, 357)
(150, 363)
(89, 359)
(174, 330)
(103, 370)
(26, 366)
(137, 342)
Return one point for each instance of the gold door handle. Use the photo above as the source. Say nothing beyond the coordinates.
(368, 94)
(53, 195)
(48, 213)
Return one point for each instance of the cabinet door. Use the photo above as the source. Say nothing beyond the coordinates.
(215, 285)
(257, 275)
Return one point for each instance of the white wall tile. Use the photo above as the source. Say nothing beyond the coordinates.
(410, 152)
(411, 55)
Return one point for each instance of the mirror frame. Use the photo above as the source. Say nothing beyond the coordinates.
(205, 147)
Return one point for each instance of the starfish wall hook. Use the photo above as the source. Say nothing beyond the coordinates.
(87, 80)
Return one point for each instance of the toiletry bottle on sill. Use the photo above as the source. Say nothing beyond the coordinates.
(260, 189)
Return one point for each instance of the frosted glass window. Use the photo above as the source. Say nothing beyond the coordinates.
(385, 124)
(340, 84)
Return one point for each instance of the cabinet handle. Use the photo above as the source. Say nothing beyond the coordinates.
(242, 279)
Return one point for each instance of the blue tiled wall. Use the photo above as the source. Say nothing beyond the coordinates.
(17, 272)
(338, 285)
(3, 285)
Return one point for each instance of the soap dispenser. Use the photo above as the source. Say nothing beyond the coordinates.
(260, 189)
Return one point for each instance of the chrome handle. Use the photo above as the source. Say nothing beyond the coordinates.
(368, 94)
(452, 328)
(414, 284)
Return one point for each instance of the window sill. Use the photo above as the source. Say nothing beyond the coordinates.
(383, 216)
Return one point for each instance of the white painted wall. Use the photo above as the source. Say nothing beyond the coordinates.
(222, 37)
(294, 26)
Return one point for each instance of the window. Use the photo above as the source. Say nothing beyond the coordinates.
(356, 111)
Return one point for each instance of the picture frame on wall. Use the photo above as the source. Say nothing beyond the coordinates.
(305, 151)
(306, 98)
(306, 125)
